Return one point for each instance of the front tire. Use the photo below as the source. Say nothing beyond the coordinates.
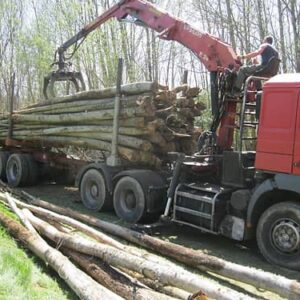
(93, 191)
(278, 234)
(129, 200)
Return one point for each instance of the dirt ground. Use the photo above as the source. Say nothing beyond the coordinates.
(245, 253)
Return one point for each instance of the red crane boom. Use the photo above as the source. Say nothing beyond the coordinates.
(216, 55)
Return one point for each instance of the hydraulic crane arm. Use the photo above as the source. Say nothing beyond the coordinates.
(216, 55)
(211, 51)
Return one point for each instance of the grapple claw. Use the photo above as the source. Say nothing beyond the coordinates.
(74, 78)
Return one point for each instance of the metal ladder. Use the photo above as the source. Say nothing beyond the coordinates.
(247, 112)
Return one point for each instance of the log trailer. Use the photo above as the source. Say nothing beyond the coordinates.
(224, 189)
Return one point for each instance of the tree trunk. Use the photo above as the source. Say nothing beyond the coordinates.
(112, 279)
(127, 89)
(131, 155)
(58, 219)
(175, 276)
(279, 284)
(157, 286)
(67, 130)
(81, 118)
(79, 282)
(106, 103)
(282, 36)
(126, 141)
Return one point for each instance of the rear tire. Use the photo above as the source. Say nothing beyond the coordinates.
(33, 170)
(17, 170)
(129, 200)
(4, 155)
(93, 191)
(278, 235)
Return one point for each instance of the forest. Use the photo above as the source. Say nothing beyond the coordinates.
(31, 31)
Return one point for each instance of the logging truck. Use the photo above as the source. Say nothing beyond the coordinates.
(238, 185)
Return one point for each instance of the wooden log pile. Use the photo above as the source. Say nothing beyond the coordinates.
(154, 120)
(116, 270)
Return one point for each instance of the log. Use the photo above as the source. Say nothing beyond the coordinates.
(137, 122)
(192, 92)
(185, 102)
(58, 220)
(67, 130)
(282, 286)
(165, 112)
(182, 88)
(126, 122)
(100, 103)
(127, 89)
(176, 275)
(19, 213)
(79, 282)
(80, 118)
(157, 286)
(112, 279)
(126, 141)
(128, 154)
(157, 138)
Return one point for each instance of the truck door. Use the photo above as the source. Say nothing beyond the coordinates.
(296, 157)
(276, 133)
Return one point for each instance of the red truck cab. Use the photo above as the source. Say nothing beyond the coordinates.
(278, 144)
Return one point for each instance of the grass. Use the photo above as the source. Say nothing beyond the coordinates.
(23, 276)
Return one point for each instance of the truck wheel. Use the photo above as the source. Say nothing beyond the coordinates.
(278, 234)
(93, 191)
(17, 170)
(129, 200)
(33, 170)
(4, 155)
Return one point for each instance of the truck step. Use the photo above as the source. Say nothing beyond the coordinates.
(248, 138)
(200, 205)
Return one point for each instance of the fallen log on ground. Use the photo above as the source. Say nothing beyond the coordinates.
(278, 284)
(157, 286)
(175, 276)
(112, 279)
(59, 219)
(79, 282)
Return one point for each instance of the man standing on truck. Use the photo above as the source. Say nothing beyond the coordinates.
(266, 50)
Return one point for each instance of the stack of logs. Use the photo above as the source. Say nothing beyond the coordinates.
(154, 120)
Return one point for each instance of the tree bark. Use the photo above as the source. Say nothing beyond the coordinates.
(67, 130)
(157, 286)
(128, 154)
(80, 137)
(279, 284)
(81, 118)
(106, 103)
(175, 276)
(282, 36)
(112, 279)
(127, 89)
